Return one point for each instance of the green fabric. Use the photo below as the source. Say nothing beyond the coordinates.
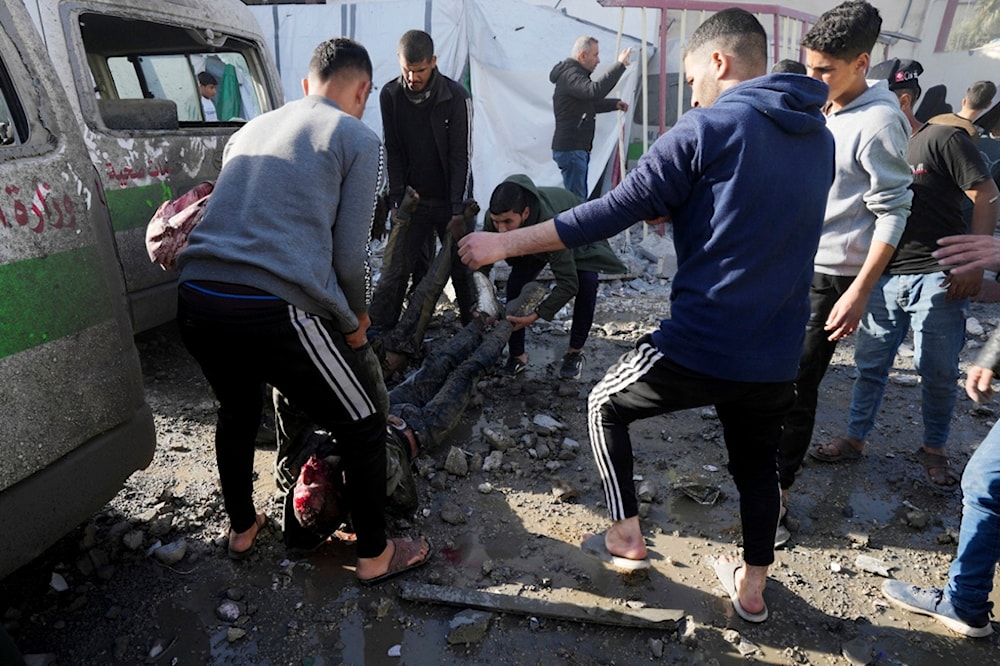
(227, 96)
(597, 257)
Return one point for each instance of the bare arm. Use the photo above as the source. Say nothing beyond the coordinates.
(850, 307)
(481, 248)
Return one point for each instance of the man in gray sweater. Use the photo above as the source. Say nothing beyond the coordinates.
(866, 209)
(274, 289)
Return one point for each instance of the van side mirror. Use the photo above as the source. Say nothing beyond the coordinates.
(6, 134)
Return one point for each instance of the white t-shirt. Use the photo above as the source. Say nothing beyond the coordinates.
(208, 108)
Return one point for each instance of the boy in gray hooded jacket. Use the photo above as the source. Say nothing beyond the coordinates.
(866, 209)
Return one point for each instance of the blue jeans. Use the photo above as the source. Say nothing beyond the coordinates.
(573, 165)
(970, 579)
(896, 303)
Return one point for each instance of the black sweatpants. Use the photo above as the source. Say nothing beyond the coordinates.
(824, 292)
(244, 338)
(645, 383)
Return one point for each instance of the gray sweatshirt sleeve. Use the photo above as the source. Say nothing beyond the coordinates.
(888, 196)
(362, 178)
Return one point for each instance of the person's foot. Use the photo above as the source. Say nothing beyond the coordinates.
(624, 539)
(744, 584)
(514, 366)
(838, 449)
(399, 555)
(933, 602)
(572, 365)
(940, 475)
(241, 544)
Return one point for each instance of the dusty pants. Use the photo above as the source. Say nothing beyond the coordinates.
(645, 383)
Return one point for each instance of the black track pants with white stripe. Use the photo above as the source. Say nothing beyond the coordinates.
(644, 383)
(242, 344)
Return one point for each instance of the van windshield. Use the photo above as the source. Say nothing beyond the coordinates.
(208, 77)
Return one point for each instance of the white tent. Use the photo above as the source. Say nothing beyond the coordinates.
(509, 47)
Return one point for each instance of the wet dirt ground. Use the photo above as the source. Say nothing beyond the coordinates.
(505, 531)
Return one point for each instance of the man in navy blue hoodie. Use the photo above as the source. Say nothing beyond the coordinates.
(745, 239)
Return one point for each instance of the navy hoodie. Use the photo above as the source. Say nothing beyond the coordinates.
(745, 183)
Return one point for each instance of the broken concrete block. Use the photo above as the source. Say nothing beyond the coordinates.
(660, 251)
(469, 626)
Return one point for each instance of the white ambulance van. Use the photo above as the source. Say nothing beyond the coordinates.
(101, 119)
(130, 70)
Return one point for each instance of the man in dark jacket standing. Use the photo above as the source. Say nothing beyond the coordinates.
(576, 102)
(427, 127)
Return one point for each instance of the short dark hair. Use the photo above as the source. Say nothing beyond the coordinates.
(846, 31)
(508, 196)
(207, 79)
(337, 55)
(735, 29)
(789, 66)
(980, 94)
(416, 46)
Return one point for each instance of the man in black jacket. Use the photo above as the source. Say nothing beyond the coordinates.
(576, 102)
(427, 127)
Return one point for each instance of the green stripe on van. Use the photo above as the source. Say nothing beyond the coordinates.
(50, 297)
(132, 207)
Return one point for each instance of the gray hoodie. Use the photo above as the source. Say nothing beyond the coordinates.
(292, 210)
(870, 196)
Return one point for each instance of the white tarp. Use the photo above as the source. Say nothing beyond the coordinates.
(510, 48)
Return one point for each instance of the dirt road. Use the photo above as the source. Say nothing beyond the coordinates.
(512, 530)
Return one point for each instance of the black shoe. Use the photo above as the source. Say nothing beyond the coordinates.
(572, 365)
(514, 366)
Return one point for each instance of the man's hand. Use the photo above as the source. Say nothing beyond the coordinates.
(457, 226)
(357, 338)
(522, 322)
(623, 56)
(964, 285)
(978, 384)
(845, 314)
(622, 106)
(481, 248)
(970, 252)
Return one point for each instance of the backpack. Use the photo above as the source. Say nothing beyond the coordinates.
(168, 230)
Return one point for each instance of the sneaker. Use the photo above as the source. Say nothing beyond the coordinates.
(932, 601)
(514, 366)
(572, 365)
(781, 536)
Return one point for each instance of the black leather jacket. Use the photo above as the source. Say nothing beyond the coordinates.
(451, 123)
(577, 100)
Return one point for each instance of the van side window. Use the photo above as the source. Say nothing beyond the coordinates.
(13, 124)
(140, 60)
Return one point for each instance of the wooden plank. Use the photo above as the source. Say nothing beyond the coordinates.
(584, 607)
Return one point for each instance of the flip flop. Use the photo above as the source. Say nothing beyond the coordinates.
(260, 521)
(594, 545)
(726, 570)
(405, 549)
(845, 452)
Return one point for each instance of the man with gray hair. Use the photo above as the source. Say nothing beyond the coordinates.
(576, 102)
